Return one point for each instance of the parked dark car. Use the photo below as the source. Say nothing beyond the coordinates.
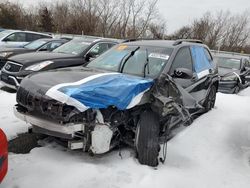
(74, 53)
(136, 93)
(234, 71)
(3, 155)
(45, 44)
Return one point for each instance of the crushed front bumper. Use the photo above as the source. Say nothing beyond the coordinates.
(48, 127)
(96, 141)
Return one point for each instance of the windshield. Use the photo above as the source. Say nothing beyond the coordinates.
(5, 33)
(35, 44)
(229, 63)
(133, 60)
(74, 47)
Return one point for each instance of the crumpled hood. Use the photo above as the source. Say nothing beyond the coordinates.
(87, 88)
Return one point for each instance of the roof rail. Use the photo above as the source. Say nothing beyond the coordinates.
(139, 39)
(179, 41)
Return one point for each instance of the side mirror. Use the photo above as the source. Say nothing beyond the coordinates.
(183, 73)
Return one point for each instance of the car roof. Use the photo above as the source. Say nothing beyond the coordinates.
(92, 40)
(163, 43)
(51, 39)
(10, 31)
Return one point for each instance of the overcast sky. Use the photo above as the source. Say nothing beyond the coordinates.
(181, 12)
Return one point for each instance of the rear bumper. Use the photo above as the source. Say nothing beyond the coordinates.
(48, 127)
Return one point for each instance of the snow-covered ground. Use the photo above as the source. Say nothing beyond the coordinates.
(213, 152)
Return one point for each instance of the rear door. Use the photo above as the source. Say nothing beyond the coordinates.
(203, 67)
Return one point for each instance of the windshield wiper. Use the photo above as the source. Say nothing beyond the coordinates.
(132, 53)
(146, 64)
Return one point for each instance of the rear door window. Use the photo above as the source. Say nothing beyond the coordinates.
(32, 36)
(100, 48)
(16, 37)
(51, 46)
(202, 62)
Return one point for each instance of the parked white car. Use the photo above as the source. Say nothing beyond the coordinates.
(17, 38)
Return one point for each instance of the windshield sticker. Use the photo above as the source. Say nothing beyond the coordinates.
(159, 56)
(121, 47)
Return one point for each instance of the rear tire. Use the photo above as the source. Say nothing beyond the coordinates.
(147, 139)
(210, 100)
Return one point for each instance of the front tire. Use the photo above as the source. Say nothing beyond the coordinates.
(147, 139)
(210, 100)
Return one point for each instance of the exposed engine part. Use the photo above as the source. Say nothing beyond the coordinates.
(101, 139)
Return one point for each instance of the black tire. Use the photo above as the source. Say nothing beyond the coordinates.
(147, 139)
(24, 143)
(237, 89)
(210, 100)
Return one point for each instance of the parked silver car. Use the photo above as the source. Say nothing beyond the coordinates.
(17, 38)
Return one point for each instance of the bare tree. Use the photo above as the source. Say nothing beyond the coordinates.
(158, 29)
(221, 30)
(237, 33)
(183, 33)
(109, 15)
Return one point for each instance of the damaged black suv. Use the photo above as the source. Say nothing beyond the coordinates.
(136, 93)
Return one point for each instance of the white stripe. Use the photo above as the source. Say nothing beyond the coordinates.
(136, 100)
(237, 77)
(203, 73)
(61, 97)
